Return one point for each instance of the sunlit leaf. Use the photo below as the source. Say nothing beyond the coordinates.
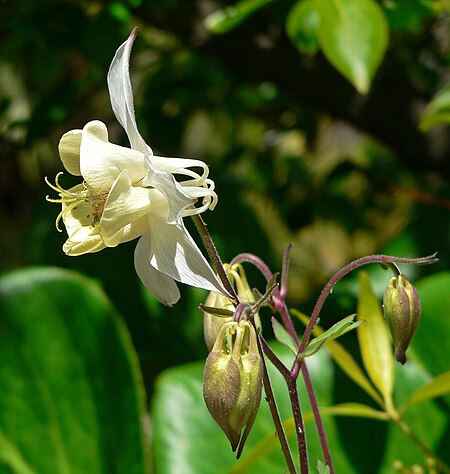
(340, 328)
(437, 111)
(374, 342)
(322, 468)
(354, 409)
(301, 25)
(344, 360)
(353, 35)
(283, 336)
(436, 387)
(232, 16)
(71, 398)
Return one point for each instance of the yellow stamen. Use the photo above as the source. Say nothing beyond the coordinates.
(70, 200)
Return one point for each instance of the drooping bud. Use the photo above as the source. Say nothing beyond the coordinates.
(232, 381)
(212, 323)
(401, 307)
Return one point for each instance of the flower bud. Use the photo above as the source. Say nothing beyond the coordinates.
(232, 380)
(213, 323)
(402, 313)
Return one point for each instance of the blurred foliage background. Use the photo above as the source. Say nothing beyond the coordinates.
(297, 154)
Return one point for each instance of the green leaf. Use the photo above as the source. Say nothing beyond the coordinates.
(436, 387)
(301, 26)
(71, 398)
(437, 111)
(353, 35)
(354, 409)
(374, 342)
(335, 331)
(344, 360)
(283, 336)
(231, 17)
(322, 468)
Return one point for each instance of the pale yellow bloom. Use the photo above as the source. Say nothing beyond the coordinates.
(127, 193)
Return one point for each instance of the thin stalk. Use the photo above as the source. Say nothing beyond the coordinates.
(299, 425)
(214, 256)
(317, 417)
(279, 293)
(274, 410)
(295, 404)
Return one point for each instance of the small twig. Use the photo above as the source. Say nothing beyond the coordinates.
(270, 397)
(214, 256)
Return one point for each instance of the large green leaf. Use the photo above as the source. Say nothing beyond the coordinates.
(353, 35)
(430, 343)
(71, 399)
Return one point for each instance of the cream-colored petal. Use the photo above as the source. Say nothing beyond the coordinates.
(165, 183)
(182, 166)
(125, 210)
(83, 241)
(160, 285)
(121, 94)
(174, 253)
(69, 151)
(101, 162)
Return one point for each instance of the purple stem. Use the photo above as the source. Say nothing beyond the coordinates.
(317, 418)
(383, 259)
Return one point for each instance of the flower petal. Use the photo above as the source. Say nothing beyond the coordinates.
(69, 151)
(83, 240)
(124, 214)
(165, 183)
(174, 252)
(102, 162)
(160, 285)
(121, 94)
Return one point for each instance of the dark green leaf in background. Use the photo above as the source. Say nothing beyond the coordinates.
(231, 17)
(71, 399)
(353, 35)
(301, 26)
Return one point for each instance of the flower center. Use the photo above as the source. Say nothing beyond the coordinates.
(71, 199)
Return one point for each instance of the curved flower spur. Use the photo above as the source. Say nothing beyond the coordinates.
(130, 192)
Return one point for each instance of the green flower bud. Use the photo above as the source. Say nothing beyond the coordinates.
(401, 307)
(232, 380)
(213, 323)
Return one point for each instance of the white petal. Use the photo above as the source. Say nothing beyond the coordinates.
(125, 210)
(165, 183)
(174, 252)
(121, 94)
(102, 162)
(83, 240)
(160, 285)
(69, 151)
(180, 166)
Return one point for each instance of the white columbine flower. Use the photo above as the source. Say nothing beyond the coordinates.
(128, 193)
